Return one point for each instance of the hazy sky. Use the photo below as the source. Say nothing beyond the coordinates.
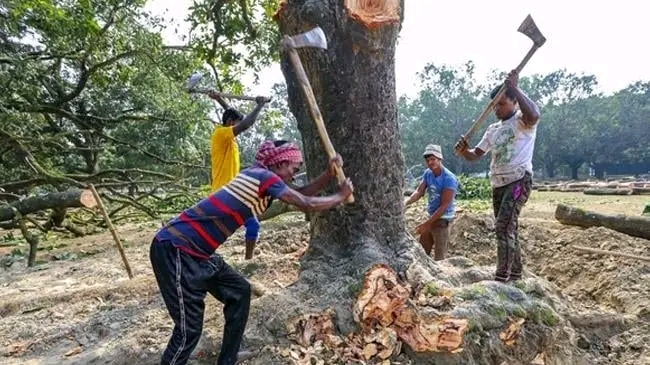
(607, 39)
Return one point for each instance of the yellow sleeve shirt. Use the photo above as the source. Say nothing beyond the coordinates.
(224, 153)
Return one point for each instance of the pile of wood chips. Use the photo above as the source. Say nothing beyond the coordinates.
(388, 318)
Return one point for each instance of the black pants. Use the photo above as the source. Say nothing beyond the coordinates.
(184, 281)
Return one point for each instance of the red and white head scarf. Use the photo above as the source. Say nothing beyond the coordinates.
(268, 154)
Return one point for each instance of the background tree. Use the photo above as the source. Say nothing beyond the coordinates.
(448, 100)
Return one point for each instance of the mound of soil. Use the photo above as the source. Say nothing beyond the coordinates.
(595, 286)
(79, 307)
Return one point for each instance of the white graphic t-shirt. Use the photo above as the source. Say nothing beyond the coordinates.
(512, 143)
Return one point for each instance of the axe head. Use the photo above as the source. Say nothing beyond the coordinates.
(312, 38)
(529, 28)
(193, 80)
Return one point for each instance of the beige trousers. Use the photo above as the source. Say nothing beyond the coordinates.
(437, 238)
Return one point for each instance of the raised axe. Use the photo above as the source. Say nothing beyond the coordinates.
(313, 38)
(528, 28)
(195, 78)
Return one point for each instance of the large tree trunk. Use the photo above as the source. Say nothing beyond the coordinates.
(363, 250)
(634, 226)
(550, 170)
(73, 198)
(574, 171)
(354, 84)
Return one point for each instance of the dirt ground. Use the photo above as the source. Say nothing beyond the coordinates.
(77, 306)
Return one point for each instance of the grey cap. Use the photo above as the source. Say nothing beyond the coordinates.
(433, 149)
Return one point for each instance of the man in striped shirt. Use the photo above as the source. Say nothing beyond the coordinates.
(182, 253)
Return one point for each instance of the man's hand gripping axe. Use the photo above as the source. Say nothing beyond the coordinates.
(313, 38)
(529, 28)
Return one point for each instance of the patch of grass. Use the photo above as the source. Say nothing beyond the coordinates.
(521, 285)
(475, 205)
(500, 313)
(503, 296)
(473, 188)
(355, 288)
(549, 317)
(251, 268)
(474, 326)
(519, 311)
(432, 289)
(542, 314)
(474, 291)
(52, 247)
(17, 252)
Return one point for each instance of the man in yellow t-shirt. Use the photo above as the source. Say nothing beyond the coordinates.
(224, 150)
(224, 155)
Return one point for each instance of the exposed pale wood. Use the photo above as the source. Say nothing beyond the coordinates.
(74, 198)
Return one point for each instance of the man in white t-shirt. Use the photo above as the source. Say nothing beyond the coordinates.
(511, 141)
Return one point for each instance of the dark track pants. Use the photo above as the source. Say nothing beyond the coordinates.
(184, 281)
(507, 202)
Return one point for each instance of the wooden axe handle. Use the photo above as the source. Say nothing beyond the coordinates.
(481, 118)
(316, 115)
(224, 95)
(224, 104)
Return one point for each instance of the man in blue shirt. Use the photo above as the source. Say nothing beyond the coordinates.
(441, 185)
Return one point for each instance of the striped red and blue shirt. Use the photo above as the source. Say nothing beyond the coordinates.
(201, 229)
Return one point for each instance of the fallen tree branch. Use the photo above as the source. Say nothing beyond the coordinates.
(73, 198)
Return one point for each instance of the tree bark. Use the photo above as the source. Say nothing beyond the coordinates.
(354, 84)
(73, 198)
(550, 170)
(633, 226)
(574, 172)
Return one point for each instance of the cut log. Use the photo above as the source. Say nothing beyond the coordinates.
(641, 191)
(607, 191)
(571, 190)
(633, 226)
(73, 198)
(580, 185)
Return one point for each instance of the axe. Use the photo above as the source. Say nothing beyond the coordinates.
(528, 28)
(194, 80)
(313, 38)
